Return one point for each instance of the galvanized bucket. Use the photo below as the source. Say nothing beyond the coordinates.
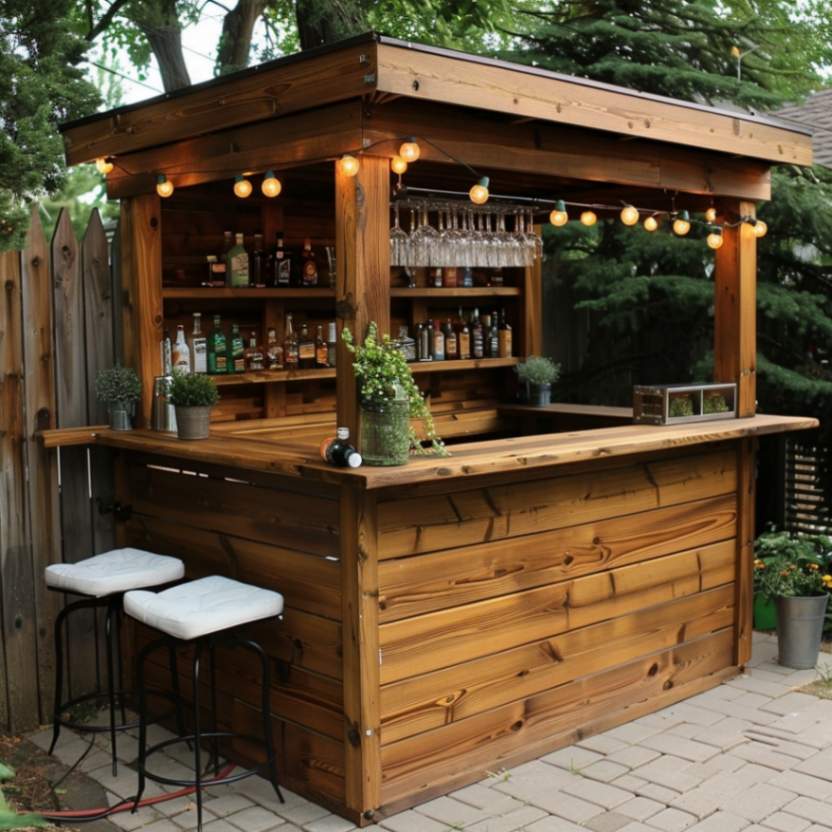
(799, 630)
(121, 416)
(193, 422)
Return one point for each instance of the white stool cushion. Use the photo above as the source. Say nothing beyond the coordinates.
(114, 571)
(205, 606)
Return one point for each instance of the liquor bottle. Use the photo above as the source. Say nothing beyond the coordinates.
(238, 351)
(339, 451)
(467, 278)
(504, 335)
(216, 271)
(436, 277)
(424, 341)
(217, 349)
(258, 265)
(321, 352)
(438, 342)
(237, 264)
(450, 277)
(290, 345)
(332, 344)
(181, 352)
(497, 277)
(281, 264)
(253, 353)
(464, 340)
(451, 342)
(167, 354)
(199, 346)
(306, 348)
(274, 351)
(477, 336)
(310, 265)
(227, 245)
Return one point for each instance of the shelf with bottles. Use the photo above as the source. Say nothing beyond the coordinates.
(273, 376)
(454, 293)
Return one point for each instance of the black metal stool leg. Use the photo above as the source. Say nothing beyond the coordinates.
(59, 677)
(141, 761)
(174, 683)
(111, 681)
(197, 737)
(215, 743)
(120, 659)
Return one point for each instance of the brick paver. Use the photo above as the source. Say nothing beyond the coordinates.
(753, 755)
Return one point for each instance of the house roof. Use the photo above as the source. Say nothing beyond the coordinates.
(815, 113)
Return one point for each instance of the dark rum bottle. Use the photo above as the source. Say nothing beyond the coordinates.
(306, 348)
(309, 271)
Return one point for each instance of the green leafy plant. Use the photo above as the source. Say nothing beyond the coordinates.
(792, 565)
(9, 818)
(380, 368)
(193, 390)
(715, 403)
(537, 369)
(118, 385)
(681, 406)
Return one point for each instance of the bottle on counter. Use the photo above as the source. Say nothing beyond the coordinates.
(181, 352)
(309, 271)
(274, 351)
(438, 342)
(238, 351)
(464, 339)
(217, 349)
(321, 351)
(436, 277)
(451, 342)
(258, 263)
(424, 341)
(281, 264)
(332, 344)
(290, 345)
(339, 451)
(505, 336)
(238, 264)
(306, 348)
(450, 277)
(198, 346)
(253, 354)
(477, 336)
(167, 354)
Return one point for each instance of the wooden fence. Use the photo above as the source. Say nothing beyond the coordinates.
(57, 322)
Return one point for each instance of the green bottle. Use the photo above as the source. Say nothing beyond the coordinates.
(238, 264)
(217, 349)
(238, 351)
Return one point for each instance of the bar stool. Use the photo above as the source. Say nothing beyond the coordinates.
(103, 580)
(203, 614)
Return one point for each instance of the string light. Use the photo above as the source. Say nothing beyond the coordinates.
(589, 218)
(651, 223)
(559, 216)
(681, 225)
(164, 187)
(271, 186)
(242, 187)
(398, 165)
(479, 191)
(714, 238)
(629, 215)
(760, 229)
(348, 165)
(410, 150)
(710, 215)
(104, 164)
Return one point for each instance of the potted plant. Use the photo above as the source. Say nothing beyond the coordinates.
(193, 395)
(389, 399)
(793, 572)
(538, 373)
(119, 388)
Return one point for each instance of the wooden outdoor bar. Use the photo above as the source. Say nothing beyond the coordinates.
(562, 570)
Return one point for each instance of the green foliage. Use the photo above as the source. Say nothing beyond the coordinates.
(789, 565)
(9, 818)
(715, 403)
(681, 405)
(118, 385)
(193, 390)
(382, 374)
(537, 369)
(41, 85)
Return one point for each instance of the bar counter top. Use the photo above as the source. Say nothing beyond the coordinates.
(255, 450)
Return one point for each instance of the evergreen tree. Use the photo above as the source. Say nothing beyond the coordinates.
(648, 297)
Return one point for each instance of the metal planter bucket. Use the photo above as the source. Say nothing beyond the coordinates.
(541, 394)
(193, 422)
(121, 417)
(799, 630)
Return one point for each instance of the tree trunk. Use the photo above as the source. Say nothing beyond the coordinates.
(237, 29)
(325, 21)
(159, 22)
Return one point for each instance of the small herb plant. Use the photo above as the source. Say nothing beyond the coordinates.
(380, 368)
(193, 390)
(118, 385)
(681, 406)
(715, 404)
(788, 566)
(537, 369)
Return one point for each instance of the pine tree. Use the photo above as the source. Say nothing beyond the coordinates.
(648, 297)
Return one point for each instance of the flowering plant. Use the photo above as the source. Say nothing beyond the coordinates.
(790, 565)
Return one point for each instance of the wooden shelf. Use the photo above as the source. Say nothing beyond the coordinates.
(457, 365)
(226, 293)
(456, 292)
(273, 376)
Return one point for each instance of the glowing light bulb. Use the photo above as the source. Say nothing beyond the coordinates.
(348, 165)
(164, 187)
(651, 224)
(104, 164)
(681, 225)
(559, 216)
(760, 229)
(479, 192)
(714, 238)
(398, 165)
(410, 150)
(589, 218)
(710, 214)
(242, 187)
(271, 185)
(629, 215)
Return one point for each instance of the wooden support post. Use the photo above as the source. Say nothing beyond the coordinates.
(735, 308)
(532, 310)
(746, 496)
(361, 654)
(362, 241)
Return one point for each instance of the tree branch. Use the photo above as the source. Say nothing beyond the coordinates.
(105, 19)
